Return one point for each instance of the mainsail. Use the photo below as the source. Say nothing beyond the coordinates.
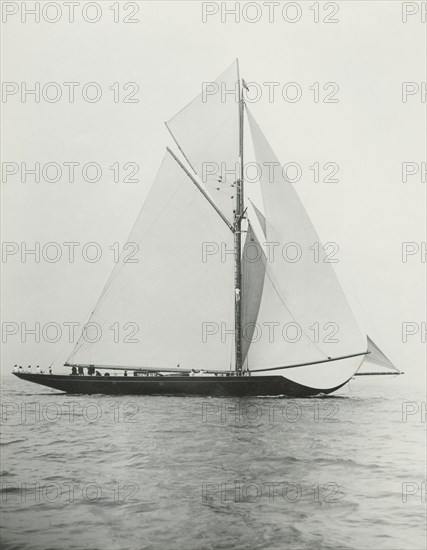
(174, 292)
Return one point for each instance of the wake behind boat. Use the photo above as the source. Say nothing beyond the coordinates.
(233, 284)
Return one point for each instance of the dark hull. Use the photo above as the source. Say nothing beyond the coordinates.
(175, 385)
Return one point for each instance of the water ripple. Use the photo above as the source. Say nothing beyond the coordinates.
(168, 473)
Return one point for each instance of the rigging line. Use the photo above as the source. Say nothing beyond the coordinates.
(59, 353)
(210, 201)
(87, 346)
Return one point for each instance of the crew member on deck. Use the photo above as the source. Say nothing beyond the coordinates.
(73, 371)
(50, 370)
(29, 369)
(37, 369)
(81, 371)
(15, 368)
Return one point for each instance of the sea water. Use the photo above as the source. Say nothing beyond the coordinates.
(100, 472)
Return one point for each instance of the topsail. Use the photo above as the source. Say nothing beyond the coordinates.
(207, 133)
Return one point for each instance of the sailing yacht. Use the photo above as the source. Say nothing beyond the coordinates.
(228, 296)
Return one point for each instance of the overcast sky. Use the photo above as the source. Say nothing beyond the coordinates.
(168, 53)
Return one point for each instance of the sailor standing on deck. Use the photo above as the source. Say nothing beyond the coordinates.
(15, 368)
(37, 369)
(29, 369)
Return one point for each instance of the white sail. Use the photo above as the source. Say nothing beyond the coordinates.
(173, 293)
(306, 283)
(278, 339)
(377, 357)
(261, 220)
(207, 132)
(253, 274)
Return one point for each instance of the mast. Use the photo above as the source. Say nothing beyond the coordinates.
(238, 215)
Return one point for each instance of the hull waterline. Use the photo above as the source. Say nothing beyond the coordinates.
(238, 386)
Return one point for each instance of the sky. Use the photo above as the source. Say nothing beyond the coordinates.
(361, 53)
